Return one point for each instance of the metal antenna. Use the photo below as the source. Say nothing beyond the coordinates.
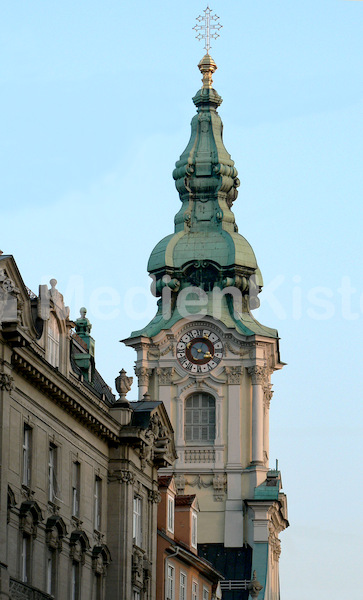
(208, 22)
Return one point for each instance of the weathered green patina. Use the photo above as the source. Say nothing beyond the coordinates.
(206, 249)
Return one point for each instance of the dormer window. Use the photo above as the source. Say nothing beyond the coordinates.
(170, 515)
(53, 341)
(194, 530)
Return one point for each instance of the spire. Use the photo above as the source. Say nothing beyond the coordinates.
(206, 250)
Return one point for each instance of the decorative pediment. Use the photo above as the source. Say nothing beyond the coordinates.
(30, 515)
(9, 298)
(16, 300)
(101, 558)
(55, 532)
(79, 544)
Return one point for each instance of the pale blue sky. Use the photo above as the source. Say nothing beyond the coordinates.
(96, 106)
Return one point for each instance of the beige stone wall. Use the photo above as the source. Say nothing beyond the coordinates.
(50, 424)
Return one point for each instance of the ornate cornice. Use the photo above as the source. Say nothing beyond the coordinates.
(80, 411)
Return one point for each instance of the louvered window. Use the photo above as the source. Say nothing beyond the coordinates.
(199, 418)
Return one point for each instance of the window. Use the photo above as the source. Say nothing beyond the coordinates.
(199, 422)
(97, 503)
(183, 586)
(170, 517)
(51, 571)
(52, 472)
(75, 581)
(76, 483)
(136, 594)
(27, 439)
(205, 593)
(26, 558)
(194, 590)
(194, 530)
(137, 522)
(170, 583)
(53, 341)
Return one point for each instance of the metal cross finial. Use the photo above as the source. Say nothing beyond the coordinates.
(208, 22)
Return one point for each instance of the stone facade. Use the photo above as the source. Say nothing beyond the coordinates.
(76, 465)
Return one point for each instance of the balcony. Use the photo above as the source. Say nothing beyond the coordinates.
(23, 591)
(200, 455)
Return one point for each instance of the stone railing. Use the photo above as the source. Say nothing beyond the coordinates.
(23, 591)
(199, 455)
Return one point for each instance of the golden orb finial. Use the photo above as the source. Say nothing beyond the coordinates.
(207, 67)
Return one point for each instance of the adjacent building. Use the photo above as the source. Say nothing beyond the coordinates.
(78, 481)
(181, 573)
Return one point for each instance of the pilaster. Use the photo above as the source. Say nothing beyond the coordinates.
(258, 374)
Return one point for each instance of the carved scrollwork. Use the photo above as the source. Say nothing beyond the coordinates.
(154, 496)
(122, 476)
(143, 375)
(234, 375)
(165, 375)
(219, 486)
(9, 299)
(267, 395)
(258, 374)
(138, 567)
(237, 351)
(6, 382)
(157, 441)
(168, 349)
(179, 480)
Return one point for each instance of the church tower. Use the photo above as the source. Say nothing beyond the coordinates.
(210, 362)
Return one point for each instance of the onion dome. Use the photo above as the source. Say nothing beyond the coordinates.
(206, 249)
(205, 226)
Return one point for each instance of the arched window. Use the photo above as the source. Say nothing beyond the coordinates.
(200, 418)
(53, 341)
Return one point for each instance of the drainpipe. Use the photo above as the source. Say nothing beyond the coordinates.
(166, 568)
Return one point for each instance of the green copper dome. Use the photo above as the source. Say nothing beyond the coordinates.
(206, 179)
(206, 251)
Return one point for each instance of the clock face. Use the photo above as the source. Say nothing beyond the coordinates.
(199, 350)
